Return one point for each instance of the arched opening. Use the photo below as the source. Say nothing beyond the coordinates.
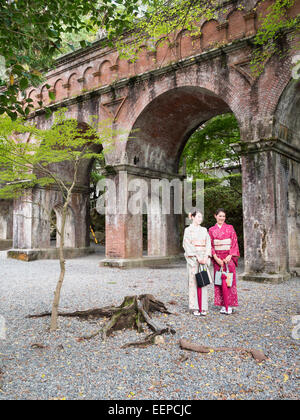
(53, 229)
(96, 220)
(294, 225)
(56, 227)
(162, 133)
(209, 155)
(287, 130)
(6, 224)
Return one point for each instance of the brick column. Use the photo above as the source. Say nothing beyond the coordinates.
(265, 208)
(163, 226)
(124, 230)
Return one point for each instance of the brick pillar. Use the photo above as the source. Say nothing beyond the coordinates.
(124, 230)
(265, 164)
(163, 226)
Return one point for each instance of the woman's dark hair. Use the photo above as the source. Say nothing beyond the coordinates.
(194, 211)
(219, 211)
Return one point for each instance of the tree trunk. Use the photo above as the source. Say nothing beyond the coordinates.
(62, 262)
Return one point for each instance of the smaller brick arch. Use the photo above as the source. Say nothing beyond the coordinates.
(59, 90)
(105, 72)
(142, 63)
(33, 95)
(210, 34)
(44, 95)
(185, 44)
(88, 79)
(123, 67)
(164, 52)
(73, 86)
(236, 25)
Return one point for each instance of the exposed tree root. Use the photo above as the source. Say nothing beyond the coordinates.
(132, 313)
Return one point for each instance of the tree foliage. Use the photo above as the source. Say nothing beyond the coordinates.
(32, 32)
(210, 146)
(269, 39)
(26, 164)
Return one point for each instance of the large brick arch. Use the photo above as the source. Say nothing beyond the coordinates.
(287, 115)
(287, 130)
(165, 124)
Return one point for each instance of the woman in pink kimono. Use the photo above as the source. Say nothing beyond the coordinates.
(225, 253)
(196, 243)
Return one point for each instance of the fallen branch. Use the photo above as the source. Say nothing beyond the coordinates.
(258, 355)
(90, 313)
(150, 339)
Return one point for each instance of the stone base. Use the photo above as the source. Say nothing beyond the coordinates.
(47, 253)
(140, 262)
(5, 244)
(265, 278)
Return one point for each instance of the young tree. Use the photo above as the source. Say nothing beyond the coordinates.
(25, 165)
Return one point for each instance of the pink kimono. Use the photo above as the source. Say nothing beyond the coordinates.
(223, 243)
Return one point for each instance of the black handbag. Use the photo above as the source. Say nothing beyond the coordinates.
(202, 278)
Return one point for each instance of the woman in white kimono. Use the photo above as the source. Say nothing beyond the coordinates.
(197, 246)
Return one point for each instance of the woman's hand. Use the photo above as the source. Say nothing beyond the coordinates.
(219, 261)
(202, 261)
(228, 259)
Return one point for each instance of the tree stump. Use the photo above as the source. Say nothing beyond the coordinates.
(131, 314)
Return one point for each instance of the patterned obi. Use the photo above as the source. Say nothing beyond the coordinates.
(222, 244)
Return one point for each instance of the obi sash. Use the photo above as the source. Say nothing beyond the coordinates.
(222, 244)
(198, 243)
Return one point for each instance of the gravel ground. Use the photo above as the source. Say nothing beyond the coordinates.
(68, 369)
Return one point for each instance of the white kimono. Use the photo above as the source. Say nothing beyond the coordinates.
(196, 242)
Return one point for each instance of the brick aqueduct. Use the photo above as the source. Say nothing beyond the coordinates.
(166, 95)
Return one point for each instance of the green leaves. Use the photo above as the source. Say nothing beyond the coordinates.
(270, 33)
(30, 156)
(209, 146)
